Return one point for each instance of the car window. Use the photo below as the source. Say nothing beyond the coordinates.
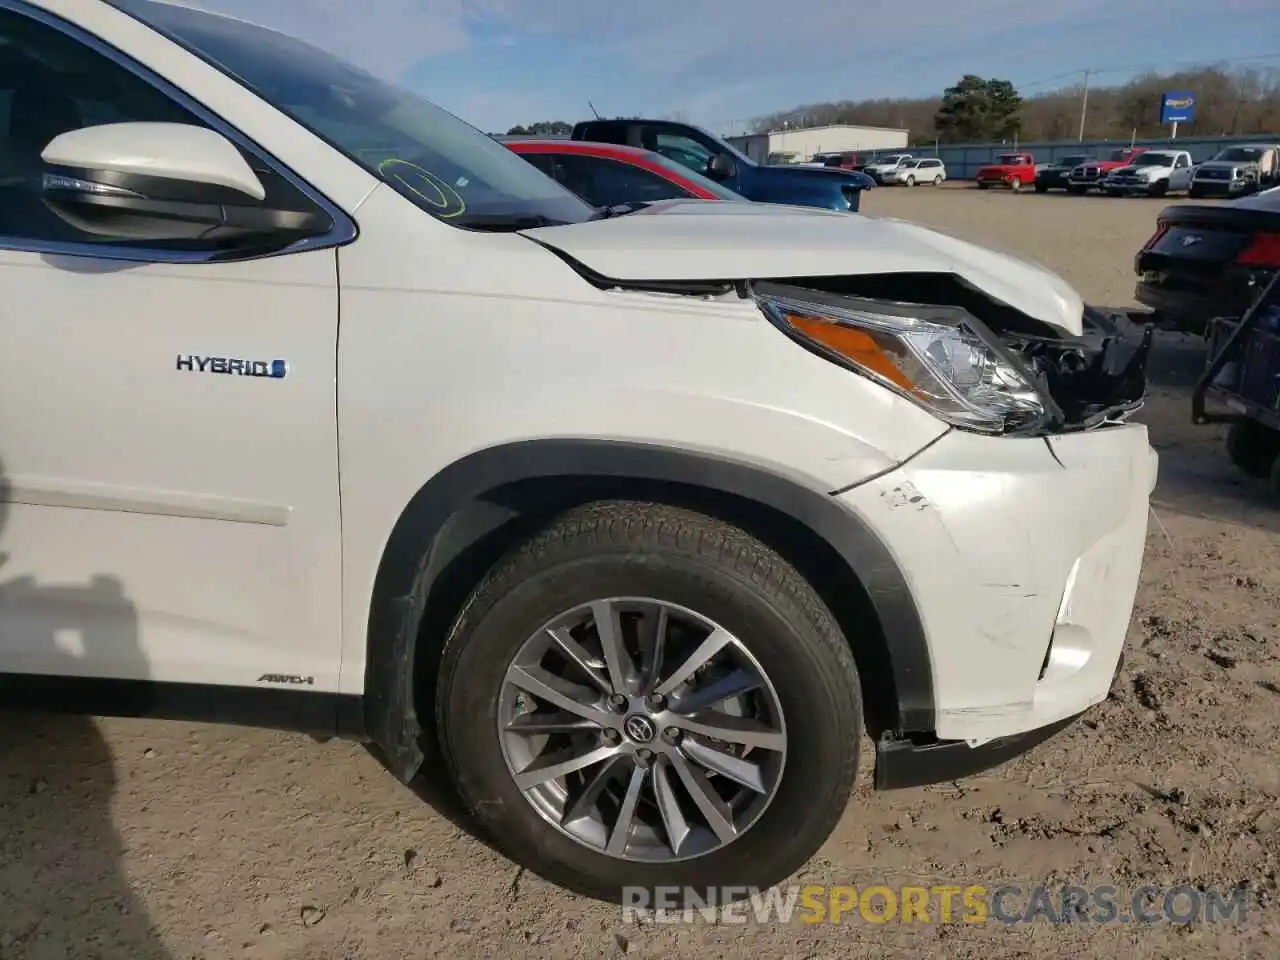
(50, 84)
(720, 191)
(442, 165)
(606, 183)
(1238, 154)
(543, 161)
(683, 149)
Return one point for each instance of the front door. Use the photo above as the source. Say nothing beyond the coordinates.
(163, 516)
(1180, 175)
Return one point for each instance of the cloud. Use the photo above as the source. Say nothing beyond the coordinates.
(383, 36)
(716, 57)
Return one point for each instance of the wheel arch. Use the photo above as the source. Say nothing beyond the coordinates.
(460, 521)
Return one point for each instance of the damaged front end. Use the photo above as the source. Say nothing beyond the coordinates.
(935, 338)
(974, 361)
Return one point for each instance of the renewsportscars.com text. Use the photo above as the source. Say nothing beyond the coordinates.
(879, 904)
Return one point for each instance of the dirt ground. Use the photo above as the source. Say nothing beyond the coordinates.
(133, 840)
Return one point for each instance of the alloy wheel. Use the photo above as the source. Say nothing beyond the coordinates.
(642, 729)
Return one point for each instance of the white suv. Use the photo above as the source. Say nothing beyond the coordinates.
(324, 411)
(911, 172)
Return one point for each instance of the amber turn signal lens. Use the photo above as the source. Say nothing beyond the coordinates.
(859, 346)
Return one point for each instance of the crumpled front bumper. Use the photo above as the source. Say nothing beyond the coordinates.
(1022, 557)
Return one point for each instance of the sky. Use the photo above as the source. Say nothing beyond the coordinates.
(721, 63)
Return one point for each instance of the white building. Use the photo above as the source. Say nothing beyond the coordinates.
(798, 145)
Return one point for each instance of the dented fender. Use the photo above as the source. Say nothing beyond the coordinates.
(1004, 541)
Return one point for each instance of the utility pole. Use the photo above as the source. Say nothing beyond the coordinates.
(1084, 105)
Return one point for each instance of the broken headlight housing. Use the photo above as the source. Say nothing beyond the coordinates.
(938, 357)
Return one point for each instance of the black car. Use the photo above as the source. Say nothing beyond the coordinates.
(1209, 261)
(1053, 175)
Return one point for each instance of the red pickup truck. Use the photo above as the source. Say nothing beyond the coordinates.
(1012, 170)
(1089, 175)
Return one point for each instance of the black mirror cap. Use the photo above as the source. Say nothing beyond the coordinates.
(133, 207)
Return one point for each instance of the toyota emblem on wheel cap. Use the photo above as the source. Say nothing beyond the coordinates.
(639, 729)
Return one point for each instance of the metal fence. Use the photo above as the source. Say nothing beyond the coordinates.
(963, 160)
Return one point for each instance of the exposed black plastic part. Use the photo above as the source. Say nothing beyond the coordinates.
(902, 763)
(1094, 376)
(156, 208)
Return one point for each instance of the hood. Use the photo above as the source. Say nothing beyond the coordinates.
(780, 173)
(696, 240)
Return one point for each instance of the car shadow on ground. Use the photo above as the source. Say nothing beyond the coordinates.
(1197, 479)
(433, 786)
(63, 889)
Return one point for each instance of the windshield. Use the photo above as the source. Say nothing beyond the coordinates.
(721, 192)
(1119, 155)
(1240, 154)
(444, 166)
(1153, 160)
(1009, 159)
(1073, 161)
(891, 161)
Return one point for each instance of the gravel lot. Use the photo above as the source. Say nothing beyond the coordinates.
(132, 840)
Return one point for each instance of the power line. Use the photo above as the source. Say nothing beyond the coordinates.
(1132, 70)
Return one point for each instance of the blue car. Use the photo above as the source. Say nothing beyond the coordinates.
(707, 154)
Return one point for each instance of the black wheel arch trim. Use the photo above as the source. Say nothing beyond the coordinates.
(452, 512)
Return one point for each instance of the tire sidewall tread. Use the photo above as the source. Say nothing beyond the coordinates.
(722, 573)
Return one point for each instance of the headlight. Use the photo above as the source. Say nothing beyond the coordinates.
(933, 356)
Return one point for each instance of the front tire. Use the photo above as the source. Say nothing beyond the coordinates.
(1252, 447)
(1015, 185)
(910, 181)
(747, 787)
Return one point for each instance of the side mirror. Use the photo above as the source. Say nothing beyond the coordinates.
(720, 167)
(163, 181)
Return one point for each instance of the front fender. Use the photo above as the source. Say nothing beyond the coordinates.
(471, 499)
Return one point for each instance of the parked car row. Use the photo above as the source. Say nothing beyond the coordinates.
(622, 162)
(1233, 171)
(629, 161)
